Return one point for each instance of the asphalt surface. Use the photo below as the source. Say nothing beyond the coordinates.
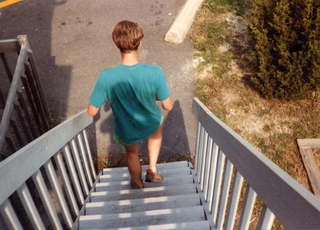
(72, 42)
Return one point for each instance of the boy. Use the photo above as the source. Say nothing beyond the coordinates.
(132, 89)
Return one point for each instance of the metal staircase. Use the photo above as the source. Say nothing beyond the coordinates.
(51, 183)
(171, 204)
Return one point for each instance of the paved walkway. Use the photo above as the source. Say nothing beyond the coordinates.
(72, 43)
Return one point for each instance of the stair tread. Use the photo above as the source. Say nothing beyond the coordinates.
(123, 175)
(151, 217)
(199, 225)
(159, 166)
(143, 193)
(125, 184)
(136, 205)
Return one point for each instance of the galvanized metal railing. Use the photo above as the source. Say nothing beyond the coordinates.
(60, 158)
(23, 108)
(224, 161)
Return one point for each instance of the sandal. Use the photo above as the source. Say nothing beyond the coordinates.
(153, 177)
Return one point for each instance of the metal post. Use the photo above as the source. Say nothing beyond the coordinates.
(46, 200)
(10, 216)
(69, 192)
(29, 206)
(56, 187)
(86, 141)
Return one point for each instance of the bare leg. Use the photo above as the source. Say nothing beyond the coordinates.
(134, 166)
(154, 144)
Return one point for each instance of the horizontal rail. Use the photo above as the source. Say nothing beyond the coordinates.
(293, 205)
(9, 45)
(14, 171)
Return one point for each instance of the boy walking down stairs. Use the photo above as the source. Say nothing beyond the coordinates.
(121, 200)
(133, 91)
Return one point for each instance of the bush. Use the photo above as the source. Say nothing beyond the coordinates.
(286, 35)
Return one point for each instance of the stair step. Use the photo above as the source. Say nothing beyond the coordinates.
(198, 225)
(139, 205)
(143, 193)
(177, 164)
(153, 217)
(118, 176)
(125, 184)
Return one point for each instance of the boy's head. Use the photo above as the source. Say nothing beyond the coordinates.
(127, 36)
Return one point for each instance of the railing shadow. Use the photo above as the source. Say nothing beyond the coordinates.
(175, 144)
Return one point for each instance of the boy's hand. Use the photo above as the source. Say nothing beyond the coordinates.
(92, 111)
(167, 104)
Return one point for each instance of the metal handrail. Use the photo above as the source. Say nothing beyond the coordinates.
(224, 161)
(66, 146)
(16, 81)
(24, 80)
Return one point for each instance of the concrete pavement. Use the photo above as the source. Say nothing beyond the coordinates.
(72, 43)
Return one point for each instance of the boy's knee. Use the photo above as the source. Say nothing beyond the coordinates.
(132, 150)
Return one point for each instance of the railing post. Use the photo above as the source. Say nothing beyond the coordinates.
(10, 217)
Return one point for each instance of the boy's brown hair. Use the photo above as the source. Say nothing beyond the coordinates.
(127, 36)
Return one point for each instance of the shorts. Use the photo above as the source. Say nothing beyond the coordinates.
(117, 140)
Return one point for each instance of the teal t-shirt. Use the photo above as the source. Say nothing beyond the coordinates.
(132, 92)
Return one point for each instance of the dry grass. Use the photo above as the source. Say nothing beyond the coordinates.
(224, 56)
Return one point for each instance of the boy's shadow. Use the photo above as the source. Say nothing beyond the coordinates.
(175, 145)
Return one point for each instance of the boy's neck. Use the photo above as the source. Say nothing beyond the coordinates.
(130, 58)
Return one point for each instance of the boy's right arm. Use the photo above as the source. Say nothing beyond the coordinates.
(97, 97)
(92, 110)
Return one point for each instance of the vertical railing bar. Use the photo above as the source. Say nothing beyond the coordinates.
(2, 100)
(16, 132)
(9, 216)
(36, 96)
(84, 159)
(30, 208)
(202, 131)
(217, 186)
(197, 146)
(77, 160)
(248, 209)
(266, 220)
(37, 80)
(46, 200)
(63, 172)
(32, 104)
(86, 142)
(212, 177)
(10, 144)
(73, 174)
(22, 121)
(58, 191)
(204, 158)
(6, 66)
(208, 168)
(23, 103)
(225, 194)
(235, 201)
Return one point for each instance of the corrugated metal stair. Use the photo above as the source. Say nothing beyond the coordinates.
(171, 204)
